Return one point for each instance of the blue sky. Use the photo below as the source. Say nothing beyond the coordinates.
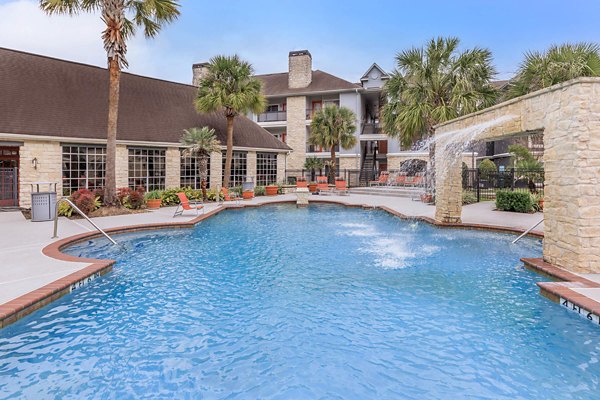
(345, 38)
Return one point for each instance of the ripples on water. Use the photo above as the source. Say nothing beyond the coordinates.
(323, 302)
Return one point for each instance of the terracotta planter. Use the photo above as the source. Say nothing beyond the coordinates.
(301, 184)
(312, 187)
(154, 203)
(248, 195)
(541, 203)
(271, 190)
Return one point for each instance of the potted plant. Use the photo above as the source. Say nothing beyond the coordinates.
(271, 189)
(153, 198)
(301, 182)
(312, 187)
(248, 194)
(541, 203)
(426, 198)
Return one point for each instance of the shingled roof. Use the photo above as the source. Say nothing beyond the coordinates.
(45, 96)
(277, 84)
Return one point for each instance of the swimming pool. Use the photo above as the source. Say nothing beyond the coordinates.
(321, 302)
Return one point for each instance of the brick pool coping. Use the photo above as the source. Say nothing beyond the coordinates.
(32, 301)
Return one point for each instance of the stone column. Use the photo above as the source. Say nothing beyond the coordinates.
(296, 131)
(448, 189)
(49, 168)
(251, 165)
(216, 171)
(122, 163)
(173, 168)
(281, 167)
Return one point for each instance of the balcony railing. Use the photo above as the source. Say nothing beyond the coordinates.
(311, 148)
(272, 116)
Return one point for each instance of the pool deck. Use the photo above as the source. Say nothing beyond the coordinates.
(25, 269)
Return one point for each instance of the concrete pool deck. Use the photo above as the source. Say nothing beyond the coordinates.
(25, 268)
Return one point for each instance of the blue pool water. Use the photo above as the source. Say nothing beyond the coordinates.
(317, 303)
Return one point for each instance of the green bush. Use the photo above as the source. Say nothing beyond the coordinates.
(468, 197)
(486, 168)
(169, 196)
(513, 201)
(260, 191)
(211, 195)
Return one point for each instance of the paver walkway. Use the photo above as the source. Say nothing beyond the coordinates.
(23, 267)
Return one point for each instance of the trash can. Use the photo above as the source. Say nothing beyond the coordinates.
(43, 203)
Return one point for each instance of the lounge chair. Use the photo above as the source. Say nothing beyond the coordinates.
(230, 197)
(323, 185)
(400, 180)
(382, 180)
(417, 180)
(341, 188)
(187, 205)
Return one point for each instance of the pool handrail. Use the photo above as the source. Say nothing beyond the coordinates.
(527, 231)
(80, 213)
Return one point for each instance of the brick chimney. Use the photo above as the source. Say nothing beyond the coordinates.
(300, 69)
(199, 71)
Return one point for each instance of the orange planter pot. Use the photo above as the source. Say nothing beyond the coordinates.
(271, 190)
(155, 203)
(312, 187)
(301, 184)
(248, 195)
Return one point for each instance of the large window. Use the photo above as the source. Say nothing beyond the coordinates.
(190, 175)
(266, 168)
(147, 168)
(83, 167)
(238, 168)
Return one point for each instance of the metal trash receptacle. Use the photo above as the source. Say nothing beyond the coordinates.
(43, 203)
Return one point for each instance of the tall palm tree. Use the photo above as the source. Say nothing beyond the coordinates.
(230, 87)
(434, 84)
(557, 64)
(332, 126)
(200, 142)
(121, 18)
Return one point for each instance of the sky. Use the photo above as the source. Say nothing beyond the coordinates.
(344, 37)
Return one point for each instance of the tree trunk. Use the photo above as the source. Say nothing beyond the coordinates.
(203, 172)
(332, 167)
(110, 186)
(228, 153)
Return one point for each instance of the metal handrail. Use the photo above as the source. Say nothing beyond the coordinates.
(527, 231)
(80, 213)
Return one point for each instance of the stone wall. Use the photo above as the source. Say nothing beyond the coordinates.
(173, 168)
(281, 162)
(122, 162)
(569, 116)
(300, 69)
(296, 131)
(216, 173)
(251, 165)
(49, 168)
(349, 163)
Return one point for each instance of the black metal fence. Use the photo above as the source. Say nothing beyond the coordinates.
(485, 184)
(351, 176)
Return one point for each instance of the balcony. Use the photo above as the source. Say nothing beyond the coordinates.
(272, 116)
(311, 148)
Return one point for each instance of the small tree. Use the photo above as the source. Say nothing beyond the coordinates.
(330, 127)
(523, 159)
(487, 168)
(200, 142)
(231, 88)
(312, 164)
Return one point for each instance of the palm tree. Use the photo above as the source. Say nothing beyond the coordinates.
(555, 65)
(200, 142)
(434, 84)
(151, 15)
(332, 126)
(230, 87)
(312, 164)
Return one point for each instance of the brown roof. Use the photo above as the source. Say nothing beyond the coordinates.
(500, 85)
(277, 84)
(46, 96)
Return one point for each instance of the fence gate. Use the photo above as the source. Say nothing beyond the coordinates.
(9, 192)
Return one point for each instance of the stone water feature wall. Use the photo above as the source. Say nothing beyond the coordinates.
(569, 116)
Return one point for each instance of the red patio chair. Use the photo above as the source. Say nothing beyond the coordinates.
(400, 180)
(382, 180)
(185, 204)
(230, 197)
(341, 187)
(322, 185)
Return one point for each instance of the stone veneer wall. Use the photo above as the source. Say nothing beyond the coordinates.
(49, 168)
(122, 162)
(281, 162)
(300, 69)
(349, 163)
(251, 165)
(173, 168)
(296, 131)
(569, 115)
(216, 173)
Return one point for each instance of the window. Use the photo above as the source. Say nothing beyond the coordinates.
(83, 167)
(266, 168)
(272, 108)
(238, 168)
(190, 175)
(147, 168)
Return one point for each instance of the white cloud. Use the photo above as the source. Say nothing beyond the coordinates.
(27, 28)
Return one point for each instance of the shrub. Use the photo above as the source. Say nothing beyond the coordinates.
(99, 193)
(85, 200)
(122, 194)
(153, 195)
(260, 191)
(468, 197)
(65, 209)
(486, 168)
(135, 200)
(212, 195)
(535, 202)
(513, 201)
(169, 196)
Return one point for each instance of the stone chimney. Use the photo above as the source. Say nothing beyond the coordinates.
(199, 71)
(300, 69)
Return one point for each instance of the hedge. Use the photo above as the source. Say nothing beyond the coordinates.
(513, 201)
